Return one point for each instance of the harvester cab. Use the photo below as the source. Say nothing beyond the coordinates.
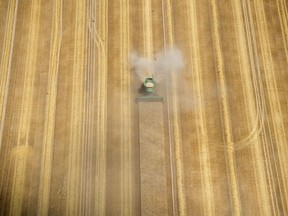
(149, 85)
(148, 91)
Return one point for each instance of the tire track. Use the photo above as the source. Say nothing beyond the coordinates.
(88, 117)
(236, 208)
(48, 140)
(263, 194)
(125, 110)
(9, 159)
(147, 28)
(88, 181)
(283, 18)
(6, 59)
(21, 149)
(266, 138)
(103, 107)
(257, 155)
(76, 135)
(101, 44)
(200, 115)
(174, 124)
(273, 97)
(19, 174)
(171, 149)
(5, 69)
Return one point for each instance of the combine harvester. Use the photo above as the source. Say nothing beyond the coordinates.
(148, 91)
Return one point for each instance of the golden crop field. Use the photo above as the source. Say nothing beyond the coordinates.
(74, 141)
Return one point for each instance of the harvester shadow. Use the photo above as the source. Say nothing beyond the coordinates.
(142, 90)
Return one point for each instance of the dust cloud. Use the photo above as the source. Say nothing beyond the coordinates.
(164, 62)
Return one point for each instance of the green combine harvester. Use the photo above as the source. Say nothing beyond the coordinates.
(149, 84)
(148, 91)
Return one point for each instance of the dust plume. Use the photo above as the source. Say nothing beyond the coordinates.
(170, 61)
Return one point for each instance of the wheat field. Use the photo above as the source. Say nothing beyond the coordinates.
(70, 128)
